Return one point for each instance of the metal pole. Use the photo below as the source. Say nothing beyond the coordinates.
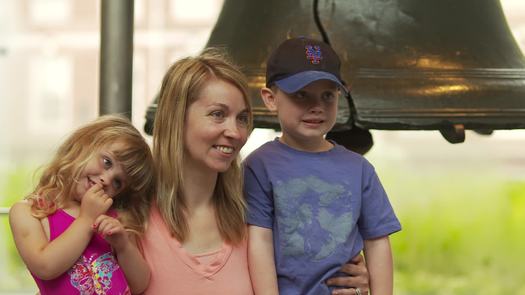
(116, 57)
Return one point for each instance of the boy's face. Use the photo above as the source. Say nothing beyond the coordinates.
(306, 115)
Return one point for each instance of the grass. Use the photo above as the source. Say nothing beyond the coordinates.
(461, 234)
(14, 185)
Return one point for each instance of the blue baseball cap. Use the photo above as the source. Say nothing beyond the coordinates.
(298, 62)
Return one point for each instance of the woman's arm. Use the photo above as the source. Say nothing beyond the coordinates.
(48, 260)
(261, 261)
(357, 278)
(378, 256)
(129, 258)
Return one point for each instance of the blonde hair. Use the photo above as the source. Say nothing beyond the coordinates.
(180, 87)
(60, 176)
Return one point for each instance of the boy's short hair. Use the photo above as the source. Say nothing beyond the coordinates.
(298, 62)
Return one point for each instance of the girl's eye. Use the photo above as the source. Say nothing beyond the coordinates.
(107, 162)
(117, 184)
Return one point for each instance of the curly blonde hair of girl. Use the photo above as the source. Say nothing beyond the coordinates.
(59, 178)
(180, 88)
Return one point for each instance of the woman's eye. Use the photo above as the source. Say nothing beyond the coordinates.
(217, 114)
(107, 162)
(244, 119)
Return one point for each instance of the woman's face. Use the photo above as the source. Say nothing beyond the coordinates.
(216, 126)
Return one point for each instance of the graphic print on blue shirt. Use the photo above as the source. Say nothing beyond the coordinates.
(315, 217)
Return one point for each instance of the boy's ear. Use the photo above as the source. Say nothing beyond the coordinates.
(269, 99)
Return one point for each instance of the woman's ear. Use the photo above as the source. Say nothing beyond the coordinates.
(268, 96)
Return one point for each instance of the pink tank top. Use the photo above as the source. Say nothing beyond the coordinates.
(176, 271)
(96, 272)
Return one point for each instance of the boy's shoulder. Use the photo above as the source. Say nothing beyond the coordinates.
(344, 152)
(276, 150)
(353, 160)
(262, 151)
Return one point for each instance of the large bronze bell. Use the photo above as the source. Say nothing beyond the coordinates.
(445, 65)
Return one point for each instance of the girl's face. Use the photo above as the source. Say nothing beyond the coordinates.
(216, 127)
(103, 169)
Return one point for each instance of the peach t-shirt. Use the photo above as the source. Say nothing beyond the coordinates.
(175, 271)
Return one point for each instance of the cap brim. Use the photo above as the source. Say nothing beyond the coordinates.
(298, 81)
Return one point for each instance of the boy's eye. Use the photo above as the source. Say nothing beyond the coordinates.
(107, 162)
(300, 95)
(328, 95)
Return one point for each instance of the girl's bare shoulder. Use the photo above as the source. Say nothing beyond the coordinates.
(20, 207)
(21, 217)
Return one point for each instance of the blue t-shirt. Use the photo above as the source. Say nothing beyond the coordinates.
(320, 207)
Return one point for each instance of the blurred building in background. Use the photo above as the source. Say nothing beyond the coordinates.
(49, 62)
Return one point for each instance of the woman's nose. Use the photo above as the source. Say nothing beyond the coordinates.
(232, 130)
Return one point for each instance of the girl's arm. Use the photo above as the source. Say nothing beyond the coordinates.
(48, 260)
(261, 261)
(378, 256)
(129, 258)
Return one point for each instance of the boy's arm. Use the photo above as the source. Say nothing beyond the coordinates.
(261, 261)
(378, 255)
(48, 260)
(129, 258)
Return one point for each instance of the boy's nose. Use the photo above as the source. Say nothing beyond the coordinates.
(315, 103)
(316, 109)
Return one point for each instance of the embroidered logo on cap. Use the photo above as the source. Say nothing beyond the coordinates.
(314, 54)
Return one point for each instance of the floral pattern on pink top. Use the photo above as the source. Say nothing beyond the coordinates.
(93, 275)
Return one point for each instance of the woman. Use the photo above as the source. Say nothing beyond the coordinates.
(195, 240)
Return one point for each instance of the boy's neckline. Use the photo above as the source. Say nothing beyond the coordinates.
(279, 141)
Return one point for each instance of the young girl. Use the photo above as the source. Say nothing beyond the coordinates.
(73, 230)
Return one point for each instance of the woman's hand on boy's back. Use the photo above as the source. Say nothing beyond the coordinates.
(357, 278)
(94, 203)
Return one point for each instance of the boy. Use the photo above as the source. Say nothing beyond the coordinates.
(313, 205)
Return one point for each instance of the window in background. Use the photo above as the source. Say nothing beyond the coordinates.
(50, 107)
(194, 11)
(50, 12)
